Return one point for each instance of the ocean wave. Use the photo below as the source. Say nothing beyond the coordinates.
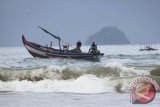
(86, 84)
(66, 72)
(83, 84)
(98, 79)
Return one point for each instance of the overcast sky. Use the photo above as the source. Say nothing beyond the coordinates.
(77, 19)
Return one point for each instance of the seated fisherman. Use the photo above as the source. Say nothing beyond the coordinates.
(93, 48)
(78, 48)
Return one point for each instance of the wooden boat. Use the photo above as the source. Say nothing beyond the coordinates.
(37, 50)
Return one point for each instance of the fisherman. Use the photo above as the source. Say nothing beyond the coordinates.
(78, 48)
(93, 48)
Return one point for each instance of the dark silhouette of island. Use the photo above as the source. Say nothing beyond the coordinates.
(108, 36)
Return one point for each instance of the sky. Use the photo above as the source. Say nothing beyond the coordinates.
(75, 20)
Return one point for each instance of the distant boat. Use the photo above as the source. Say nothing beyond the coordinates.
(37, 50)
(148, 48)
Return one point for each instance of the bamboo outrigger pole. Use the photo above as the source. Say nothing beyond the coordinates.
(56, 37)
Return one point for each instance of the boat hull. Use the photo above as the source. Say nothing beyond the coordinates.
(37, 50)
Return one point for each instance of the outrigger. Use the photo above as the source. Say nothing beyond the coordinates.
(37, 50)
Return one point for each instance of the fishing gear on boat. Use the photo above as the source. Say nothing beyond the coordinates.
(59, 39)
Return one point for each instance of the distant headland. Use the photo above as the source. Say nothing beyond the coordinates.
(108, 36)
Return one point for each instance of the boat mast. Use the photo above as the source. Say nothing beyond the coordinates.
(59, 44)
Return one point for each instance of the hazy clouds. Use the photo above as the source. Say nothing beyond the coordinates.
(77, 19)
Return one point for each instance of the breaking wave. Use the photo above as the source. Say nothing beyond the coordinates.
(65, 73)
(97, 79)
(83, 84)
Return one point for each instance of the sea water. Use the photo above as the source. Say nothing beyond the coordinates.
(26, 81)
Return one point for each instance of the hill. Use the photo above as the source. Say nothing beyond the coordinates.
(108, 36)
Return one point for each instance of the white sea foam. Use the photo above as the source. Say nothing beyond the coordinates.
(83, 84)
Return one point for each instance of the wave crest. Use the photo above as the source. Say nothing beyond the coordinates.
(83, 84)
(65, 73)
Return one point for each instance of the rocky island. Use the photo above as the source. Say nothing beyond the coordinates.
(108, 36)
